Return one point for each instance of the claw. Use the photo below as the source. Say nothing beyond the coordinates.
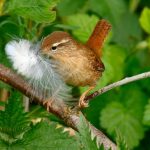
(48, 103)
(82, 103)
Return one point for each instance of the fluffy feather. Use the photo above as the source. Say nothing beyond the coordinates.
(40, 72)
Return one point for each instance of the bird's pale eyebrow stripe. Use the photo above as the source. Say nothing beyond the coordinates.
(61, 42)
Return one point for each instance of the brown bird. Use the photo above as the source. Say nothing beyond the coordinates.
(78, 64)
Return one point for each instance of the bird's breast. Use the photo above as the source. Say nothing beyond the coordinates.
(77, 70)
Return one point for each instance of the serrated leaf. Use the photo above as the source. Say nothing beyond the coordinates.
(145, 19)
(44, 136)
(146, 117)
(36, 10)
(37, 112)
(115, 117)
(121, 143)
(69, 7)
(84, 25)
(88, 142)
(13, 121)
(102, 147)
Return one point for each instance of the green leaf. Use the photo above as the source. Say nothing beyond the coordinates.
(69, 7)
(44, 136)
(37, 112)
(3, 145)
(145, 19)
(132, 95)
(65, 27)
(122, 33)
(85, 135)
(111, 10)
(121, 143)
(97, 104)
(88, 141)
(146, 118)
(36, 10)
(114, 70)
(133, 5)
(8, 29)
(84, 25)
(13, 121)
(115, 117)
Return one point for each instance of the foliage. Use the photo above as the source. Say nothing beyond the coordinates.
(121, 143)
(18, 131)
(80, 21)
(124, 110)
(47, 136)
(146, 118)
(13, 121)
(145, 20)
(123, 122)
(85, 136)
(39, 11)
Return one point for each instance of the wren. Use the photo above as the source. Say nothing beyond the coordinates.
(77, 64)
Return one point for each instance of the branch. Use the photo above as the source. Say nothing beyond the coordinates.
(71, 118)
(118, 83)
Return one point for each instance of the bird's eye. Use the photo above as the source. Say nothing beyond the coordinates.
(54, 48)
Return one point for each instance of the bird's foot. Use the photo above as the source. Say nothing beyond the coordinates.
(82, 102)
(48, 103)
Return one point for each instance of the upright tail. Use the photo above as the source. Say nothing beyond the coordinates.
(95, 42)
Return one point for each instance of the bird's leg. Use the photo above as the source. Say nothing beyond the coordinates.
(82, 103)
(48, 103)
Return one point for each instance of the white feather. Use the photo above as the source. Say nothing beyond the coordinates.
(22, 56)
(29, 62)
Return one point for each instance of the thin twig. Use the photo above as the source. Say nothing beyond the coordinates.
(71, 118)
(118, 83)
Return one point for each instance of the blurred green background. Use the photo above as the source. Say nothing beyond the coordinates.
(126, 53)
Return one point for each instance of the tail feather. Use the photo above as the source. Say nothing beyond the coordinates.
(98, 36)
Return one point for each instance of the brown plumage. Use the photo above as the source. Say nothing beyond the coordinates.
(78, 64)
(96, 40)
